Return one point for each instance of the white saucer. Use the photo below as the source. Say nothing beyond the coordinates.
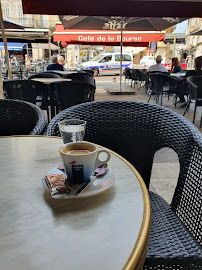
(97, 185)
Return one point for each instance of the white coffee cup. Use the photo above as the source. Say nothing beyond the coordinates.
(80, 160)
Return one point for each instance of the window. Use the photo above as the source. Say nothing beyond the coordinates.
(125, 57)
(106, 59)
(22, 18)
(44, 21)
(117, 57)
(19, 9)
(6, 10)
(97, 58)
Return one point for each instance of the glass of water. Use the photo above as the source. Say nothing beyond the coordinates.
(72, 130)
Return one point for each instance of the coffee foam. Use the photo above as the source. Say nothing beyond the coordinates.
(78, 147)
(78, 152)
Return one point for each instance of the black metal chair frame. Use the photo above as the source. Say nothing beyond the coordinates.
(162, 83)
(127, 74)
(70, 93)
(85, 78)
(135, 76)
(143, 78)
(182, 89)
(195, 94)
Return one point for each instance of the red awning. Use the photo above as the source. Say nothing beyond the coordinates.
(130, 38)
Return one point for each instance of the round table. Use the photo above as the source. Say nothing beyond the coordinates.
(107, 231)
(178, 75)
(64, 72)
(51, 80)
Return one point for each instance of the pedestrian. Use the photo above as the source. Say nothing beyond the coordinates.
(27, 61)
(187, 62)
(70, 62)
(4, 60)
(76, 62)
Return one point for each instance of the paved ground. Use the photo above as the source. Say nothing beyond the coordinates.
(166, 166)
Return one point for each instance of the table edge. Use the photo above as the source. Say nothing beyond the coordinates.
(136, 259)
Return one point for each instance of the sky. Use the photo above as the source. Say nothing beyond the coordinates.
(181, 27)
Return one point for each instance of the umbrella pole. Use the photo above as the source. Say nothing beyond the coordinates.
(59, 48)
(5, 43)
(121, 44)
(49, 46)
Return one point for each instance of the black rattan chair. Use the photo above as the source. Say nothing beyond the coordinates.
(70, 93)
(20, 118)
(127, 74)
(162, 83)
(136, 131)
(85, 78)
(195, 87)
(82, 77)
(27, 90)
(44, 75)
(21, 89)
(88, 71)
(143, 79)
(135, 77)
(43, 93)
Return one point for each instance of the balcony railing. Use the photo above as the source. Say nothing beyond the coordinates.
(32, 22)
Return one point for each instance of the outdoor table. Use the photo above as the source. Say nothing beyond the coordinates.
(178, 75)
(48, 81)
(107, 231)
(63, 72)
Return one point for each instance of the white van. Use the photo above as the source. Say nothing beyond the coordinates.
(109, 63)
(149, 61)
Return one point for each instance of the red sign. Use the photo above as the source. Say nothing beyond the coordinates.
(151, 50)
(105, 37)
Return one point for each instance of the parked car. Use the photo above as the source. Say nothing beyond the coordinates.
(149, 61)
(108, 63)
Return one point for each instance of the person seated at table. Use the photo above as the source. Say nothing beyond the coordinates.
(196, 72)
(197, 66)
(158, 66)
(55, 65)
(175, 68)
(61, 61)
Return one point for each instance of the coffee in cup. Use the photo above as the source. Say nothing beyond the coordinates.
(80, 160)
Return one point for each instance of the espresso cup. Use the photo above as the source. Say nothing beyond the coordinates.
(80, 160)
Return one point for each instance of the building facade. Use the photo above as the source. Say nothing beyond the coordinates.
(194, 39)
(12, 9)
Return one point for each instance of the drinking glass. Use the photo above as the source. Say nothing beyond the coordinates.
(72, 130)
